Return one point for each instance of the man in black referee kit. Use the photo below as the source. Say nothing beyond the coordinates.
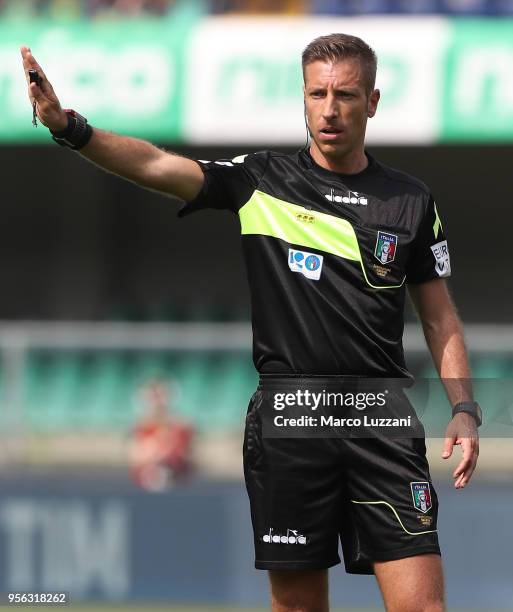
(331, 239)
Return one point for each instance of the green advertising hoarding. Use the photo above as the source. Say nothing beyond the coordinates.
(253, 82)
(124, 76)
(478, 81)
(220, 80)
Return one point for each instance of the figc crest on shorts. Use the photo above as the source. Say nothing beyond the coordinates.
(386, 245)
(421, 494)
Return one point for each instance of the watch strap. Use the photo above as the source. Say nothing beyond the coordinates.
(471, 408)
(77, 133)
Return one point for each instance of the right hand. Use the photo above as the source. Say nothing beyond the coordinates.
(48, 107)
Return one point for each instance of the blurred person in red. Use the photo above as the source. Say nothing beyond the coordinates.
(161, 448)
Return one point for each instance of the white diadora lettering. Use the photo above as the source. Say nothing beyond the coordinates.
(443, 261)
(291, 537)
(353, 197)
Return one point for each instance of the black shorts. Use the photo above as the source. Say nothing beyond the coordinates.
(306, 492)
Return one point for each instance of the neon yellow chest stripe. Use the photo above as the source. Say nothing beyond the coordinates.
(266, 215)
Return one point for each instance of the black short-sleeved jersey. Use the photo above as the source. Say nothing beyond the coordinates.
(327, 257)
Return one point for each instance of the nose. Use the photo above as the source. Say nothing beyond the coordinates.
(330, 108)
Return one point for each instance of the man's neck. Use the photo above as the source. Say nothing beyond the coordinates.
(352, 163)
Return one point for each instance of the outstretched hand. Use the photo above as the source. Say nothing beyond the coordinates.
(48, 107)
(462, 431)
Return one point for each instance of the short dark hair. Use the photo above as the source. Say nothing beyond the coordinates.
(338, 47)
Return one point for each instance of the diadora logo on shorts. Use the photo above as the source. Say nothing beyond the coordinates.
(443, 261)
(421, 494)
(386, 246)
(353, 197)
(307, 264)
(291, 537)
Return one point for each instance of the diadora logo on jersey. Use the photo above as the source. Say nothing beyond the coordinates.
(421, 494)
(443, 261)
(353, 197)
(291, 537)
(386, 246)
(307, 264)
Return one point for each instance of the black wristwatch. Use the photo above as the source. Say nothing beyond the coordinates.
(77, 133)
(472, 408)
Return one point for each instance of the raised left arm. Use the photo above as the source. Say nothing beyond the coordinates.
(444, 337)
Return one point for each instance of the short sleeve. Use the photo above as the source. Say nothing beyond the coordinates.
(228, 184)
(429, 255)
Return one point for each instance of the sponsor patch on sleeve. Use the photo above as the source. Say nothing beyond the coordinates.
(442, 259)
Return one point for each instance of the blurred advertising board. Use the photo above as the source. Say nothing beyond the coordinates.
(478, 87)
(253, 83)
(124, 76)
(99, 539)
(237, 80)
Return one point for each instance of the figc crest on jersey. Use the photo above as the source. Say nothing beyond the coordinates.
(386, 245)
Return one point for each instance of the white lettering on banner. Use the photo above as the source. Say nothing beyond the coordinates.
(78, 548)
(134, 81)
(251, 87)
(484, 79)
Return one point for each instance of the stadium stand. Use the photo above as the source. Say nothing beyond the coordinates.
(96, 389)
(91, 390)
(105, 9)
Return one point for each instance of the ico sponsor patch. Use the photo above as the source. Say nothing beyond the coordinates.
(440, 252)
(421, 494)
(386, 246)
(307, 264)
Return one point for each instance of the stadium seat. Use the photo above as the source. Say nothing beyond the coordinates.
(87, 390)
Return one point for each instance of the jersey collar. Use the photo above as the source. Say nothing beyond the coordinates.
(307, 160)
